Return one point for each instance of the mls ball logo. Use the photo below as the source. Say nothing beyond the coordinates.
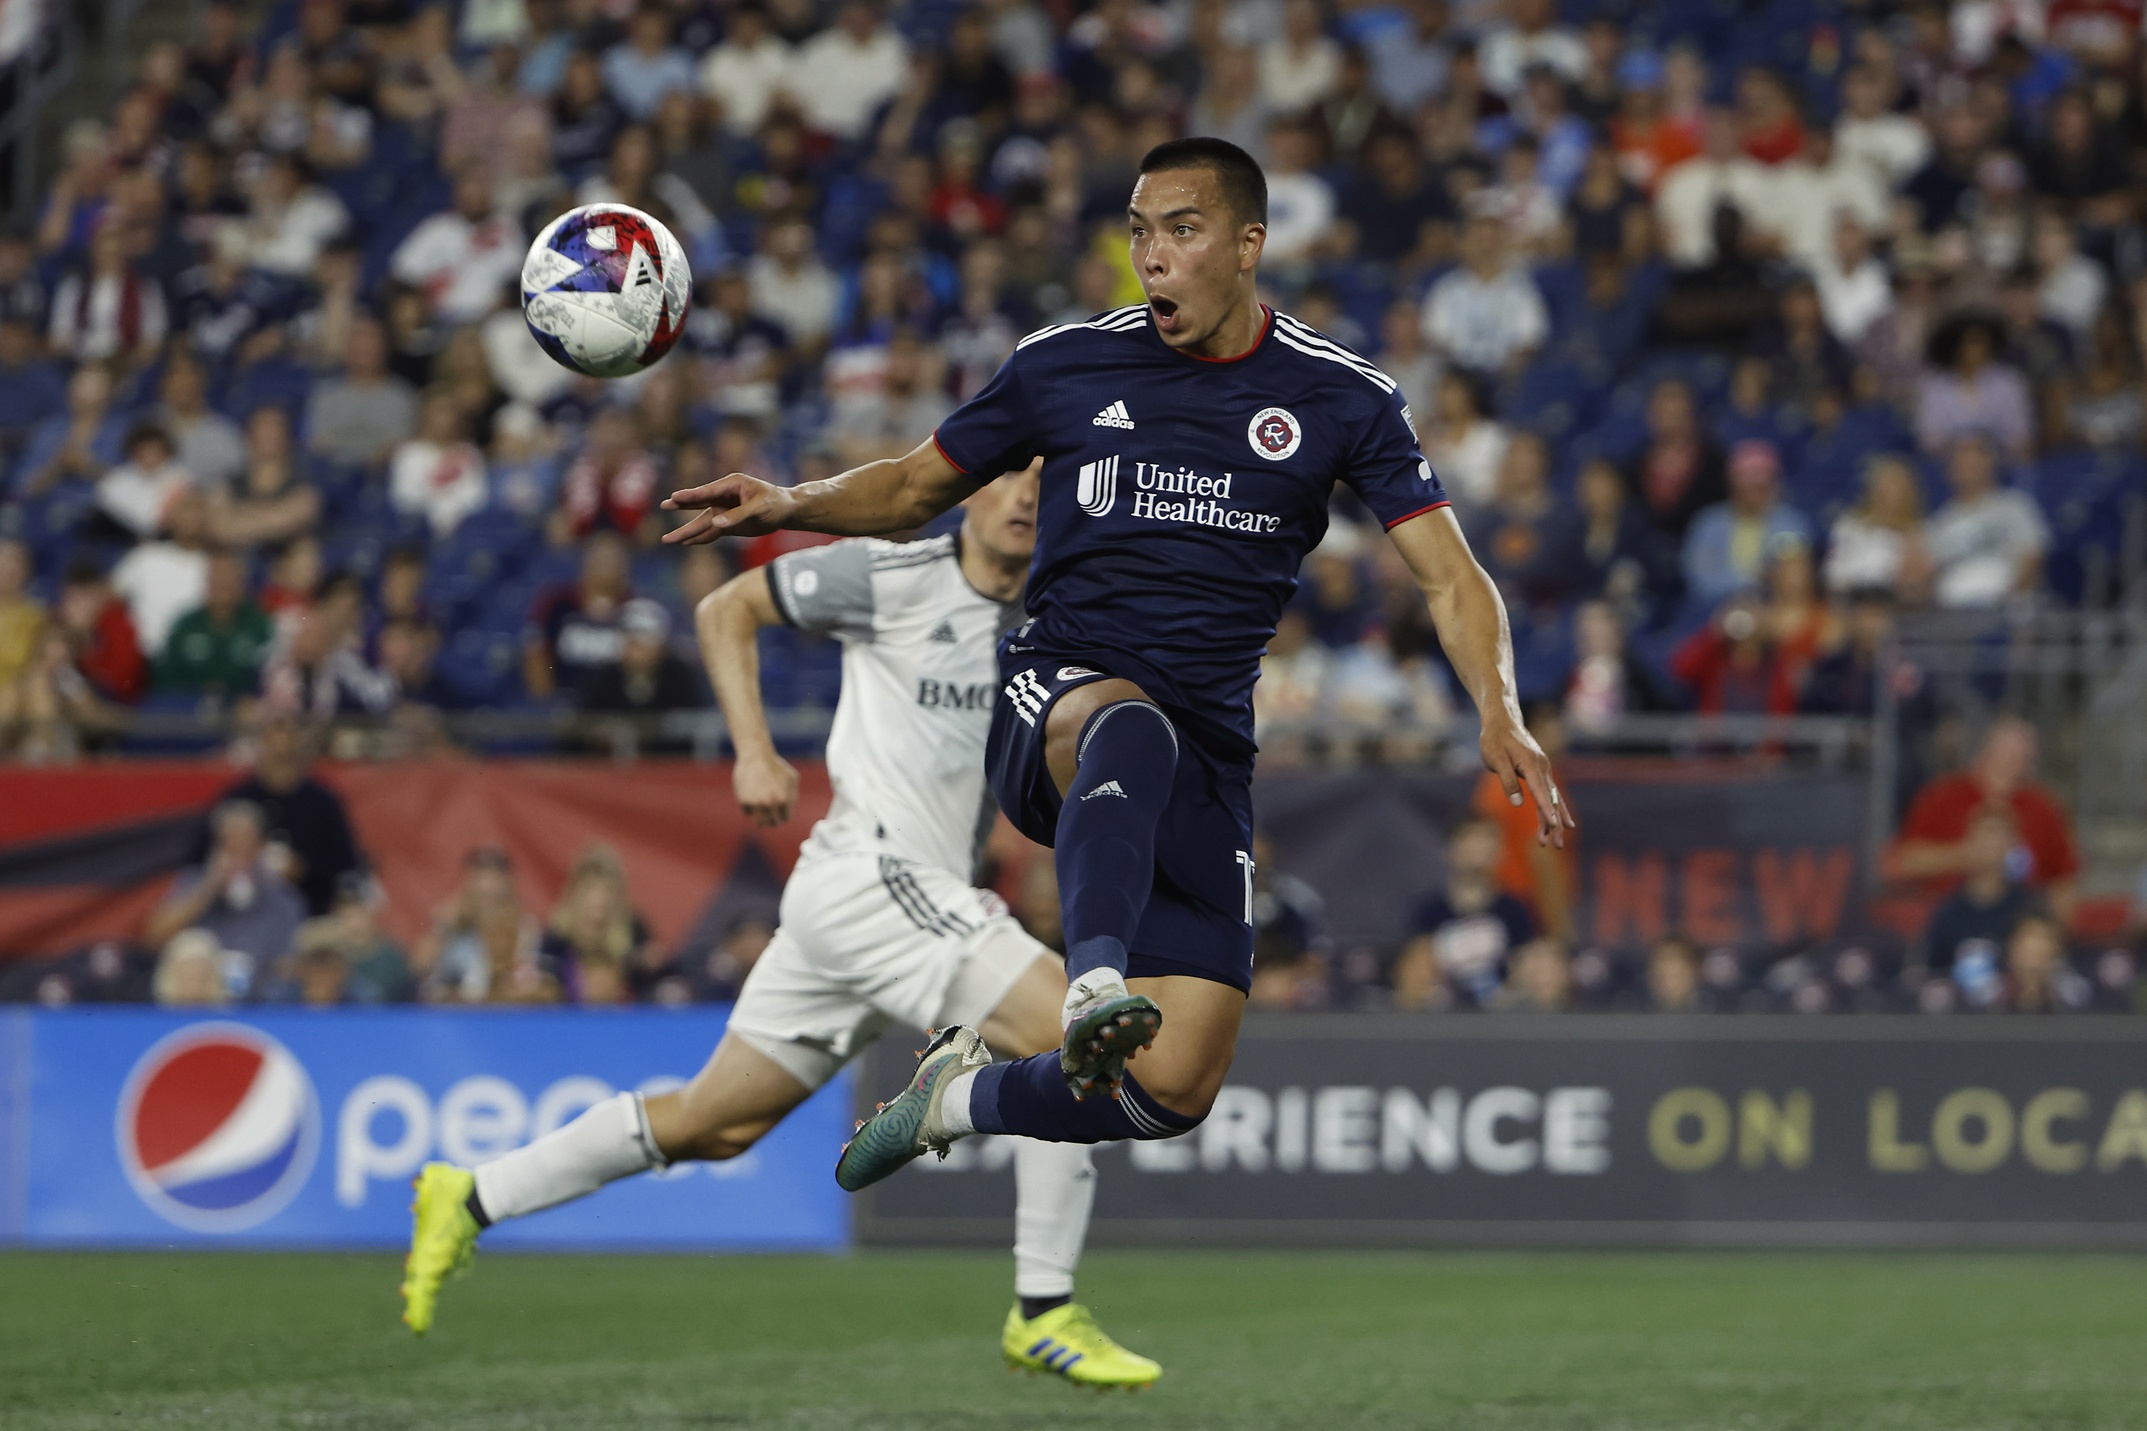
(218, 1127)
(1274, 433)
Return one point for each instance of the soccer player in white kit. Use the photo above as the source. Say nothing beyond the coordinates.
(880, 922)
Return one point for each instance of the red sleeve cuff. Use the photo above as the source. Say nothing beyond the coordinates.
(950, 461)
(1390, 526)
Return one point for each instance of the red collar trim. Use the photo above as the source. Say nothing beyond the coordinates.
(1265, 324)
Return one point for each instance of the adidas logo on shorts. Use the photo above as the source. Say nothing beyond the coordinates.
(1113, 416)
(1108, 787)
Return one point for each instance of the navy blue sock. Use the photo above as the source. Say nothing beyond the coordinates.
(1034, 1307)
(1127, 760)
(1029, 1097)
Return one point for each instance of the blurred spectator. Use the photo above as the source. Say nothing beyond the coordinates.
(645, 67)
(102, 644)
(1986, 543)
(357, 417)
(575, 630)
(217, 648)
(1878, 543)
(1966, 392)
(316, 973)
(1539, 980)
(2106, 409)
(108, 309)
(1844, 676)
(649, 677)
(1673, 976)
(462, 258)
(1855, 290)
(77, 444)
(1678, 470)
(32, 387)
(1395, 212)
(745, 74)
(209, 445)
(1410, 61)
(723, 973)
(611, 485)
(1300, 204)
(1871, 131)
(1466, 448)
(1769, 127)
(438, 474)
(846, 72)
(1728, 545)
(1723, 301)
(1486, 316)
(1513, 536)
(22, 618)
(318, 668)
(1804, 360)
(1300, 66)
(304, 814)
(164, 579)
(272, 504)
(1932, 849)
(189, 972)
(481, 947)
(594, 943)
(791, 287)
(292, 221)
(1531, 35)
(1977, 918)
(1461, 935)
(378, 969)
(238, 896)
(1289, 970)
(1608, 681)
(1734, 665)
(134, 495)
(2039, 979)
(1605, 547)
(1229, 105)
(1693, 192)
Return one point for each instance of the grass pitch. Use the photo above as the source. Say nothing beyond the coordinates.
(1305, 1341)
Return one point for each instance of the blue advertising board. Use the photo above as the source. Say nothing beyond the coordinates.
(304, 1128)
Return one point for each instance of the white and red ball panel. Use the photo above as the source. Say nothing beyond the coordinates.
(605, 290)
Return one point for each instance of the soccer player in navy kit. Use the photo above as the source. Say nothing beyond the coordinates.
(1190, 444)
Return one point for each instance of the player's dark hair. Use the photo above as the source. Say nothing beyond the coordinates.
(1244, 186)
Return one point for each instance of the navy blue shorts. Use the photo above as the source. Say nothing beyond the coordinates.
(1199, 916)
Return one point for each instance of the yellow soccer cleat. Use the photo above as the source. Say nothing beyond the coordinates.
(442, 1239)
(1067, 1342)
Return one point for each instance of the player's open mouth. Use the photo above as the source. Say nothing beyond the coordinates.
(1166, 312)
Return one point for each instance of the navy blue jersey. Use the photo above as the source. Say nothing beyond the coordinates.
(1180, 495)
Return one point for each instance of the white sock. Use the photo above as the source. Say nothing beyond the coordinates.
(954, 1104)
(1054, 1188)
(608, 1142)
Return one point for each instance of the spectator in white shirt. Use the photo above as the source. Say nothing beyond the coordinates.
(1532, 38)
(1302, 65)
(1877, 544)
(1466, 448)
(2072, 286)
(292, 222)
(1987, 542)
(463, 258)
(1300, 205)
(111, 310)
(1855, 290)
(791, 287)
(1809, 192)
(163, 580)
(439, 473)
(645, 66)
(745, 73)
(1723, 174)
(1869, 132)
(1487, 315)
(136, 493)
(842, 75)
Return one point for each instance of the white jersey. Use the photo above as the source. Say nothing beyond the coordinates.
(919, 673)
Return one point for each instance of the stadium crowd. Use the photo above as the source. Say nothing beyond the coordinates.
(1735, 331)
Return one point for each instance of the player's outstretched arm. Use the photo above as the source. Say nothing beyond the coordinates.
(727, 623)
(1471, 621)
(892, 495)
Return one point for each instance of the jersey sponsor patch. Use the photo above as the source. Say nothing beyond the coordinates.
(1274, 433)
(1097, 486)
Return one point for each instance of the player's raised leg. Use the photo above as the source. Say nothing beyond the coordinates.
(736, 1098)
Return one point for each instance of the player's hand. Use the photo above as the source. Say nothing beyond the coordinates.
(732, 506)
(1513, 756)
(766, 786)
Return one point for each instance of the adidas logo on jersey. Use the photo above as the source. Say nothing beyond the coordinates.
(943, 633)
(1108, 787)
(1114, 416)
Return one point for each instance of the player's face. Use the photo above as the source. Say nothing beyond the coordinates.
(1002, 514)
(1191, 252)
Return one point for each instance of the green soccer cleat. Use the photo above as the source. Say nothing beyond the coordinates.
(908, 1126)
(1105, 1026)
(443, 1238)
(1066, 1341)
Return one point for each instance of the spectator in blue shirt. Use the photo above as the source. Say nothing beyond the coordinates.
(643, 68)
(1727, 547)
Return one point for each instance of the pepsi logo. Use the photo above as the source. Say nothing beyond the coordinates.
(1274, 433)
(218, 1127)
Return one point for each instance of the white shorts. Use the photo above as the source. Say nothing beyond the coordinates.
(867, 940)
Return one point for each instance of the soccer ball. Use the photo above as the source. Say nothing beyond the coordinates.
(605, 290)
